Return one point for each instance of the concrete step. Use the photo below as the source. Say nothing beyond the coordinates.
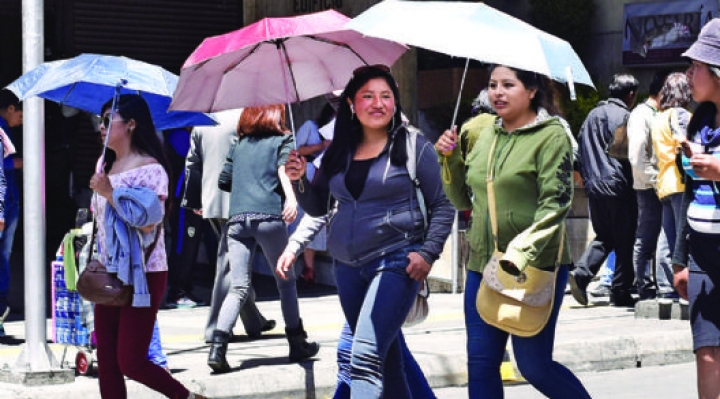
(662, 309)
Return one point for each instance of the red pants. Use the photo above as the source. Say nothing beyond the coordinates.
(123, 338)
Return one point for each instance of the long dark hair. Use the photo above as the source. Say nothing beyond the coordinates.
(144, 139)
(348, 130)
(544, 91)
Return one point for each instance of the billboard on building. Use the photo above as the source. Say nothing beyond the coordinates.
(658, 33)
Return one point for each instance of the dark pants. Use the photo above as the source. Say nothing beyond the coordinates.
(184, 259)
(614, 220)
(123, 338)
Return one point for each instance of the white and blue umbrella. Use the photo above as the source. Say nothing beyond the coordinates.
(473, 31)
(88, 81)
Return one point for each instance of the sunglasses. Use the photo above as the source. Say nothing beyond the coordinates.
(105, 121)
(367, 68)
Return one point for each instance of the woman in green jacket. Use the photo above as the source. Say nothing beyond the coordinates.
(531, 156)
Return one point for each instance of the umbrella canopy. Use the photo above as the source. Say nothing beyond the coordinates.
(473, 30)
(277, 61)
(88, 81)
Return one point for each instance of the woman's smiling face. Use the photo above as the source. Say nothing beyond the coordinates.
(374, 104)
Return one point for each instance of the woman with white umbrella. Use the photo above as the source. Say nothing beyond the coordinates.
(527, 156)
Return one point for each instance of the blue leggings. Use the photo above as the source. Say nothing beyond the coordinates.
(486, 347)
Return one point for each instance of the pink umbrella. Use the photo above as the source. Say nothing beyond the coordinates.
(277, 61)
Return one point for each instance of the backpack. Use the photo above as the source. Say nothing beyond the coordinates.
(411, 165)
(618, 147)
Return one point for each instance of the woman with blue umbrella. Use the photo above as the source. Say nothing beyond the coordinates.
(141, 170)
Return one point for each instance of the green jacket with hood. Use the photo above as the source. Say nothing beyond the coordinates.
(533, 191)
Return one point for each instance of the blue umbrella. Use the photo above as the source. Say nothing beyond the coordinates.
(88, 81)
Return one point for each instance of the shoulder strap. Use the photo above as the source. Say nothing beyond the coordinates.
(411, 165)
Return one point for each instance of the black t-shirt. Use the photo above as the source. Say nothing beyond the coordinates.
(357, 175)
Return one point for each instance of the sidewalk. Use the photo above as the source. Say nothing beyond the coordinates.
(588, 339)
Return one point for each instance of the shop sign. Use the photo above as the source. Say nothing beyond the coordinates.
(658, 33)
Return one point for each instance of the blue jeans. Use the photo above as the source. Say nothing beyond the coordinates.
(607, 276)
(376, 298)
(486, 347)
(671, 217)
(649, 224)
(419, 387)
(12, 215)
(243, 238)
(155, 352)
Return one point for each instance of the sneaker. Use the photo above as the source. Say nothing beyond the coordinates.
(198, 301)
(2, 320)
(600, 291)
(183, 303)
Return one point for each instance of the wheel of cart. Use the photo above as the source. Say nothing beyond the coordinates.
(84, 363)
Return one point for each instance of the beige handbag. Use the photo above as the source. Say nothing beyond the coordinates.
(520, 305)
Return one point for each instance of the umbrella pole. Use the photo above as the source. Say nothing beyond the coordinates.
(116, 95)
(462, 84)
(454, 237)
(292, 124)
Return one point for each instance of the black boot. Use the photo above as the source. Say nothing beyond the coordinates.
(299, 347)
(218, 349)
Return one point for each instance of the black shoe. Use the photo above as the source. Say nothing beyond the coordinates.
(269, 325)
(218, 350)
(622, 299)
(300, 348)
(578, 289)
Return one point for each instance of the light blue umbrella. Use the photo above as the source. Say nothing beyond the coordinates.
(473, 31)
(88, 81)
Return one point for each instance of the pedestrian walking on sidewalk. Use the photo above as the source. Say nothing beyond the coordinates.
(532, 164)
(378, 238)
(204, 200)
(262, 203)
(608, 183)
(307, 229)
(139, 174)
(696, 261)
(649, 243)
(668, 131)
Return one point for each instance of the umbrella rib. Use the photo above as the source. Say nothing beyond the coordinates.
(281, 46)
(235, 64)
(339, 44)
(67, 93)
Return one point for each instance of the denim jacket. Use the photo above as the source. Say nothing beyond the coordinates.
(386, 217)
(125, 244)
